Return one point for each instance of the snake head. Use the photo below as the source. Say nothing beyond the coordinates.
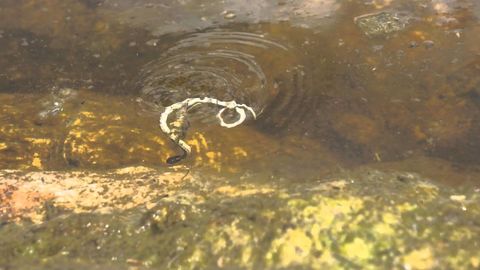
(175, 159)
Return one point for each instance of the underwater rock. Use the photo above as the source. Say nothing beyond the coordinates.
(465, 80)
(381, 23)
(449, 123)
(56, 21)
(46, 41)
(448, 119)
(99, 131)
(436, 169)
(166, 220)
(357, 128)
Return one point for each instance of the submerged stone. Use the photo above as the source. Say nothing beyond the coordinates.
(381, 23)
(94, 130)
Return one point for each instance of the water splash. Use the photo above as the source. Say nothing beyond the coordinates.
(218, 64)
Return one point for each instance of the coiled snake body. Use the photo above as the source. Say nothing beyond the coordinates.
(177, 129)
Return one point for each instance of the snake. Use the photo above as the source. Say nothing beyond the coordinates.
(176, 130)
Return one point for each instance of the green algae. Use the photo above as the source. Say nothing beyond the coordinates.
(362, 220)
(372, 220)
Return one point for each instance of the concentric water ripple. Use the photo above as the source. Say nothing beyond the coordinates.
(246, 67)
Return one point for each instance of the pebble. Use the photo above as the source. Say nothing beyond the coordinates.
(24, 42)
(428, 44)
(458, 198)
(152, 42)
(229, 15)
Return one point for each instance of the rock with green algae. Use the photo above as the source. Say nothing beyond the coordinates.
(86, 129)
(363, 219)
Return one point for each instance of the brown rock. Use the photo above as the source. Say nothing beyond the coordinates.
(357, 128)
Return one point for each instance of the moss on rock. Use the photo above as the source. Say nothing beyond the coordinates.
(365, 219)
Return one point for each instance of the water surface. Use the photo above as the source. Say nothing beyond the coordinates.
(336, 84)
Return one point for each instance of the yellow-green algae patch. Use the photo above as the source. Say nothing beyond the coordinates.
(165, 219)
(419, 259)
(92, 130)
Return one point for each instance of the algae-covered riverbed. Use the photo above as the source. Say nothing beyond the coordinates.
(364, 153)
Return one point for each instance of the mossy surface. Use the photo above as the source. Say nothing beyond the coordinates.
(394, 89)
(366, 220)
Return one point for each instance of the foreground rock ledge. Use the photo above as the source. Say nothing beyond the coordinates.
(142, 218)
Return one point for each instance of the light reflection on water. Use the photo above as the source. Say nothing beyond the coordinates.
(329, 93)
(163, 17)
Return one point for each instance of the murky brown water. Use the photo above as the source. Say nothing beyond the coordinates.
(388, 84)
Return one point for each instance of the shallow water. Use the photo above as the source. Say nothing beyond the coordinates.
(336, 85)
(359, 104)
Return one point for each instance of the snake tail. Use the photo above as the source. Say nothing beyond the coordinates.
(175, 159)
